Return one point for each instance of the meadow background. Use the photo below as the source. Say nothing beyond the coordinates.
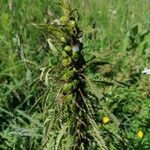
(115, 31)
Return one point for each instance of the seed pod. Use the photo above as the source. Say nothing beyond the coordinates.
(66, 62)
(64, 19)
(64, 54)
(68, 48)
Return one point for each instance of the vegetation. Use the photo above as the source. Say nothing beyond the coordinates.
(72, 79)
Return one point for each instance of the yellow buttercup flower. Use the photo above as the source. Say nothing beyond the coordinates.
(106, 119)
(140, 134)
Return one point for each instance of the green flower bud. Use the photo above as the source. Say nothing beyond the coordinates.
(75, 55)
(64, 19)
(64, 54)
(63, 39)
(72, 24)
(69, 74)
(68, 48)
(66, 62)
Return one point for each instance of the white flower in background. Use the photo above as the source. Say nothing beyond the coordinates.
(75, 48)
(146, 71)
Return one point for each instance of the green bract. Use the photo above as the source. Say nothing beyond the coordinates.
(68, 48)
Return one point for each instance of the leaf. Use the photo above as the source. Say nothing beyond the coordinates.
(28, 75)
(96, 135)
(134, 30)
(46, 78)
(5, 21)
(32, 120)
(52, 47)
(42, 73)
(7, 112)
(59, 136)
(113, 129)
(125, 42)
(93, 88)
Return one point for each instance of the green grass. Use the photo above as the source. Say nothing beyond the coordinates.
(28, 86)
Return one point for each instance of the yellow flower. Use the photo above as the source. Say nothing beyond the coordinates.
(106, 119)
(140, 134)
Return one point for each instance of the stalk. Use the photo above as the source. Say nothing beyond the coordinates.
(66, 32)
(73, 89)
(75, 111)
